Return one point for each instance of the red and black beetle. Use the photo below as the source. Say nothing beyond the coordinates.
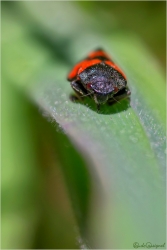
(100, 78)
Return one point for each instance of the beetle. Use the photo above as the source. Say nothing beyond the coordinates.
(100, 78)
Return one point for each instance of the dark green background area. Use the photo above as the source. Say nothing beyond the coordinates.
(71, 177)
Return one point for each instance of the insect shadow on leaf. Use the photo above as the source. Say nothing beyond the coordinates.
(99, 78)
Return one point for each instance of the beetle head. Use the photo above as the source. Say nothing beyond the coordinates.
(102, 81)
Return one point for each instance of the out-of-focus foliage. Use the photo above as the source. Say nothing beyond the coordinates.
(146, 19)
(73, 178)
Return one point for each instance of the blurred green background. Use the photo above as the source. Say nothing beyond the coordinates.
(41, 168)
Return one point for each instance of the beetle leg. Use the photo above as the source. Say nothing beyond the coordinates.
(98, 107)
(78, 88)
(122, 94)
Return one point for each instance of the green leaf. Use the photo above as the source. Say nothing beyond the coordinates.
(123, 145)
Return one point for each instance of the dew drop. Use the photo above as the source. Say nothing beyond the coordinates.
(150, 155)
(133, 139)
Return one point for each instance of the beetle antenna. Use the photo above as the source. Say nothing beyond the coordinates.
(87, 94)
(116, 100)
